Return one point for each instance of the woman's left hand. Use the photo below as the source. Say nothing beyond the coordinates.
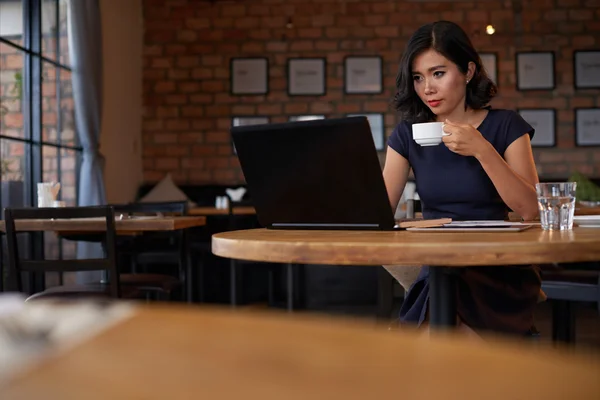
(463, 139)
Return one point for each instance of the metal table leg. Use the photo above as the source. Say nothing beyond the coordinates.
(442, 298)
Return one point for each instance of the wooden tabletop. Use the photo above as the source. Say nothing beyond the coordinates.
(409, 248)
(238, 210)
(178, 353)
(133, 224)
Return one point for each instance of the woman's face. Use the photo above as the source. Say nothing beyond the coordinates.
(439, 83)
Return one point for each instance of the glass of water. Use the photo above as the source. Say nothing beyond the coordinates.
(556, 202)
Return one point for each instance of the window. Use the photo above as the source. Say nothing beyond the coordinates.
(38, 140)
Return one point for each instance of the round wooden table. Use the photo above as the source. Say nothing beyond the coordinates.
(176, 352)
(442, 251)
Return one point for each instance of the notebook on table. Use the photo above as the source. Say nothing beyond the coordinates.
(477, 226)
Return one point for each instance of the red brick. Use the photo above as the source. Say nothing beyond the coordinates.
(197, 23)
(269, 109)
(178, 151)
(166, 163)
(217, 137)
(200, 177)
(189, 87)
(253, 47)
(167, 112)
(258, 9)
(204, 150)
(179, 74)
(336, 33)
(276, 47)
(581, 15)
(375, 20)
(304, 45)
(223, 175)
(192, 163)
(188, 61)
(217, 110)
(223, 22)
(213, 86)
(246, 22)
(296, 108)
(313, 33)
(160, 62)
(202, 73)
(358, 8)
(347, 108)
(192, 111)
(581, 102)
(212, 60)
(321, 108)
(233, 10)
(177, 125)
(387, 31)
(243, 109)
(581, 41)
(201, 98)
(176, 99)
(152, 125)
(323, 20)
(187, 36)
(326, 45)
(164, 87)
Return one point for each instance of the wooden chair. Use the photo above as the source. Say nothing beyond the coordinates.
(17, 265)
(564, 287)
(155, 248)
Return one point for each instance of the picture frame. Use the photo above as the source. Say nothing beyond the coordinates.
(535, 70)
(249, 76)
(247, 121)
(307, 76)
(363, 75)
(490, 64)
(377, 123)
(586, 69)
(294, 118)
(587, 126)
(543, 120)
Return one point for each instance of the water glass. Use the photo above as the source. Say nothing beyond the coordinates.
(556, 202)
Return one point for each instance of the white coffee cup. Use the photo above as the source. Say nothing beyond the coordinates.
(428, 133)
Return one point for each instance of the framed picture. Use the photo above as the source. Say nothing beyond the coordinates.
(586, 69)
(535, 71)
(363, 75)
(306, 76)
(246, 121)
(587, 126)
(377, 128)
(544, 123)
(490, 64)
(249, 76)
(294, 118)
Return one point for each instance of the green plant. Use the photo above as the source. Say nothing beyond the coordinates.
(586, 189)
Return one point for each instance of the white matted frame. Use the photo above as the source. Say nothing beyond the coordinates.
(249, 76)
(363, 75)
(295, 118)
(587, 126)
(586, 69)
(246, 121)
(307, 76)
(535, 70)
(377, 123)
(543, 120)
(490, 64)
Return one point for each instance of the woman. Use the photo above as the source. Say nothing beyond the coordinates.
(483, 167)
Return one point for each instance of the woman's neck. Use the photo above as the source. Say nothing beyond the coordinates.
(458, 115)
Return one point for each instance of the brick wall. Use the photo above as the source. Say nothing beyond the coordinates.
(188, 45)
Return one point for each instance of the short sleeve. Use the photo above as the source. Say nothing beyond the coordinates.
(399, 139)
(517, 127)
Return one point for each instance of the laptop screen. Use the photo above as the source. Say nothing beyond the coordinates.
(314, 174)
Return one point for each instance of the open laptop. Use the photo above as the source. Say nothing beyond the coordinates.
(320, 174)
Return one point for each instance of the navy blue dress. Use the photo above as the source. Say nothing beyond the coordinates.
(451, 185)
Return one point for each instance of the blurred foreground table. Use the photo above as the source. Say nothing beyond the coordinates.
(177, 353)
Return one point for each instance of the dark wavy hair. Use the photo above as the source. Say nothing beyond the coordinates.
(451, 41)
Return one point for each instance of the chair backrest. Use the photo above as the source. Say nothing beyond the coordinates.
(171, 207)
(18, 265)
